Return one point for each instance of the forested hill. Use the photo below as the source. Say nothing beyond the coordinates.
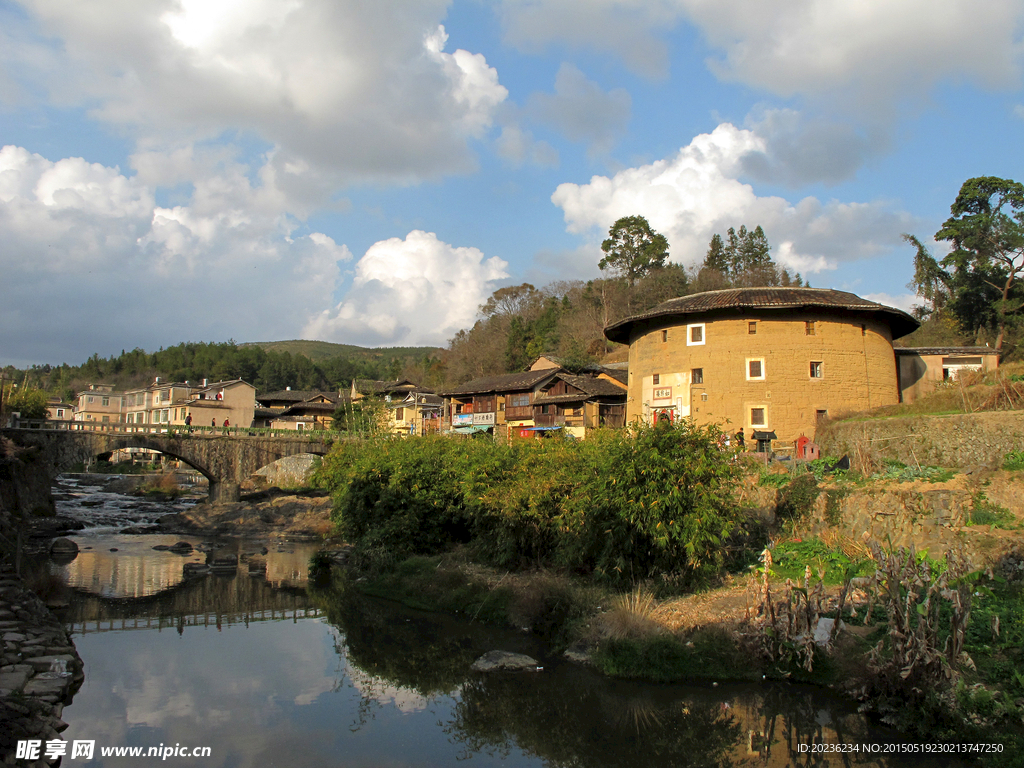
(324, 350)
(286, 364)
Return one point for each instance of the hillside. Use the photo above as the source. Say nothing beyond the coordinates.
(324, 350)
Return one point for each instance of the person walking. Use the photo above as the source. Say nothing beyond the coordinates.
(188, 423)
(226, 424)
(213, 425)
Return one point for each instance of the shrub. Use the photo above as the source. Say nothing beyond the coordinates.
(797, 499)
(624, 503)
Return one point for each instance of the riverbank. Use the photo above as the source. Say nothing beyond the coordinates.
(718, 637)
(40, 673)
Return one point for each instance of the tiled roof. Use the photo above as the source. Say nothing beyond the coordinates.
(972, 351)
(508, 382)
(592, 386)
(304, 407)
(574, 398)
(739, 299)
(290, 395)
(375, 387)
(619, 374)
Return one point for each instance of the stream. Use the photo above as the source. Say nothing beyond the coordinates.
(265, 671)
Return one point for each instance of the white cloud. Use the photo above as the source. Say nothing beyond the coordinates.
(416, 291)
(581, 110)
(871, 51)
(628, 28)
(358, 91)
(517, 146)
(1018, 110)
(799, 150)
(112, 269)
(696, 193)
(875, 49)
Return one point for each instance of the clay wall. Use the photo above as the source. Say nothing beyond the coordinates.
(857, 371)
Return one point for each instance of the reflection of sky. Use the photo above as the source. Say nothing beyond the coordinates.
(276, 693)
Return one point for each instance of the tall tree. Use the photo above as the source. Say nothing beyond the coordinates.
(633, 249)
(986, 230)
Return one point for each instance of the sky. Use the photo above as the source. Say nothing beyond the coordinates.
(369, 172)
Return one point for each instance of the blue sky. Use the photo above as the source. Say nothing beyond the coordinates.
(369, 173)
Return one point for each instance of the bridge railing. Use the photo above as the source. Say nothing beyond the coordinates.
(169, 429)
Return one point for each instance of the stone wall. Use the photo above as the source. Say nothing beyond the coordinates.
(929, 516)
(961, 440)
(24, 492)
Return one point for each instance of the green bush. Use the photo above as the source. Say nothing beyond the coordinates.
(625, 503)
(797, 499)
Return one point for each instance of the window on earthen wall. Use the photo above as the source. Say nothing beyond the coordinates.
(694, 334)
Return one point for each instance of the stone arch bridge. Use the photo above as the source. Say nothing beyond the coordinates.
(225, 460)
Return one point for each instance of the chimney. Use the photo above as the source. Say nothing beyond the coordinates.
(157, 380)
(287, 389)
(204, 382)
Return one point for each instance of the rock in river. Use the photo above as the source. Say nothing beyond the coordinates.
(493, 661)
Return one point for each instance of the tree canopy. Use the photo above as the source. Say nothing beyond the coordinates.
(742, 260)
(978, 283)
(633, 249)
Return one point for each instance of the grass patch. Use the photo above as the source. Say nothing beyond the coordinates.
(710, 654)
(901, 473)
(777, 480)
(1014, 461)
(984, 512)
(547, 604)
(790, 559)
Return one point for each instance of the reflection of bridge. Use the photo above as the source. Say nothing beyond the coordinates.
(225, 460)
(204, 601)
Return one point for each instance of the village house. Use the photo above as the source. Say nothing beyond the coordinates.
(538, 400)
(99, 403)
(386, 390)
(233, 401)
(57, 410)
(417, 414)
(772, 362)
(171, 403)
(922, 369)
(159, 403)
(300, 410)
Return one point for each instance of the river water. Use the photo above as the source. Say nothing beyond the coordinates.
(268, 672)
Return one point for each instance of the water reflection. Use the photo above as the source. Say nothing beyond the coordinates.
(570, 716)
(267, 674)
(135, 569)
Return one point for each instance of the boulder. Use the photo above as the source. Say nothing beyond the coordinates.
(493, 661)
(63, 546)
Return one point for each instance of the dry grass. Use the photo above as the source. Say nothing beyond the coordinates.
(167, 482)
(633, 616)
